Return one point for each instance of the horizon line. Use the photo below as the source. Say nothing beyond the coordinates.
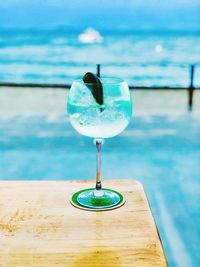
(70, 28)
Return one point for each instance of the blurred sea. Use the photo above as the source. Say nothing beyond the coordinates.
(56, 56)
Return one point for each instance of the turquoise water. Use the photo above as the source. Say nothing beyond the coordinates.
(162, 152)
(56, 56)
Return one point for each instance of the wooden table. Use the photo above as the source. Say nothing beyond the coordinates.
(40, 228)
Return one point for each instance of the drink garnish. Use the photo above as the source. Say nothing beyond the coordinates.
(94, 84)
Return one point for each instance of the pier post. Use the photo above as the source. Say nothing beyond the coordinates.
(191, 88)
(98, 70)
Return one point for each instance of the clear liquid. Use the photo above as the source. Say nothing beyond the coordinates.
(100, 121)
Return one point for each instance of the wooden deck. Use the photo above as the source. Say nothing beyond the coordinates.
(39, 227)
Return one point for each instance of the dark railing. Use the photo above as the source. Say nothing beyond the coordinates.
(191, 88)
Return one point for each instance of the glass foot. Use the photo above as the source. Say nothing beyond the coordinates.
(92, 199)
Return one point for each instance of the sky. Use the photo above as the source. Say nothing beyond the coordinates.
(102, 14)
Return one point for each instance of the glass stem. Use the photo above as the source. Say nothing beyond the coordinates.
(98, 163)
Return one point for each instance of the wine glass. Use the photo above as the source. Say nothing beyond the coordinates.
(100, 109)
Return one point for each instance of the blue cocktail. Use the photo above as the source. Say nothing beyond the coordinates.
(99, 108)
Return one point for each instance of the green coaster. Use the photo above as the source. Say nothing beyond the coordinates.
(98, 202)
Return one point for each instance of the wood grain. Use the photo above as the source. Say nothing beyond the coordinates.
(39, 227)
